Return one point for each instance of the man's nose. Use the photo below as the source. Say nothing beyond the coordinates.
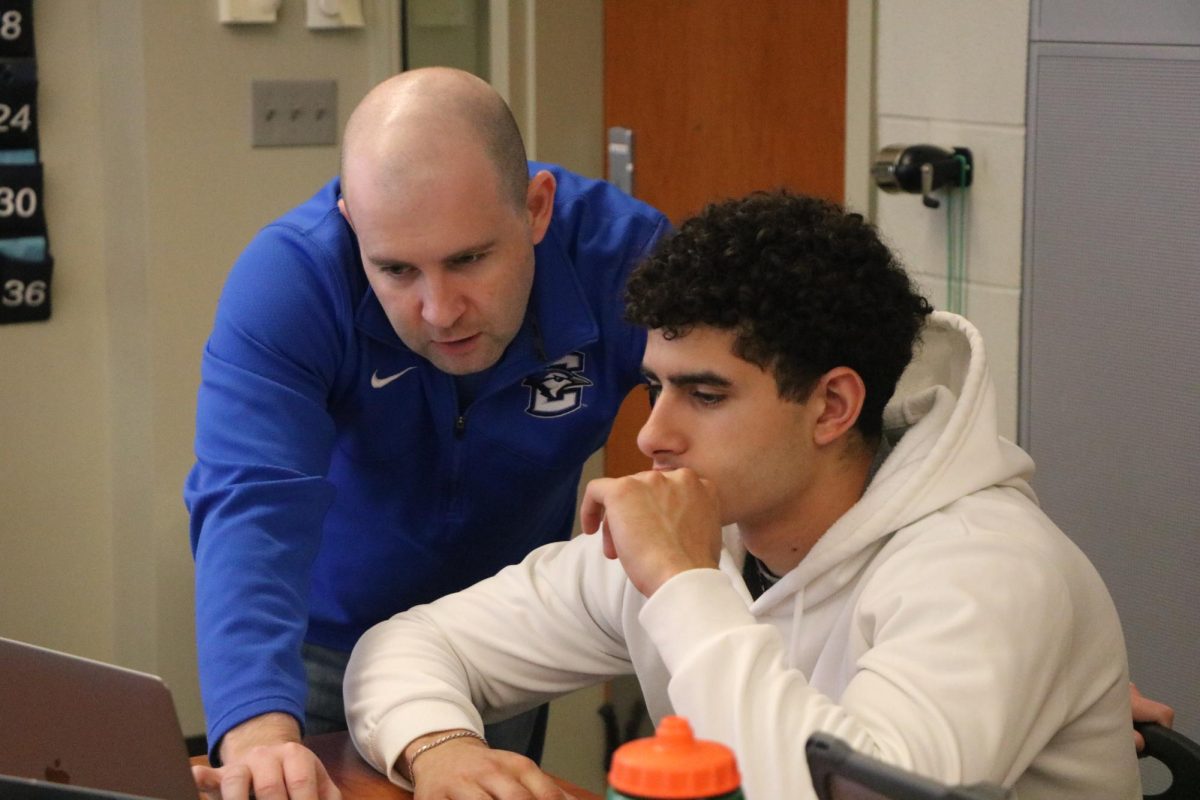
(442, 301)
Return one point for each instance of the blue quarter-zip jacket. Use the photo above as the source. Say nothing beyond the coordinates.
(321, 504)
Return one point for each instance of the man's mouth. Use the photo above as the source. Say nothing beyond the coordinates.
(457, 342)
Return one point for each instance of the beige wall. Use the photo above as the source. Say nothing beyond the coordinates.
(54, 453)
(151, 191)
(547, 59)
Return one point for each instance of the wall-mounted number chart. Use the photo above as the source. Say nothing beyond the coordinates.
(25, 261)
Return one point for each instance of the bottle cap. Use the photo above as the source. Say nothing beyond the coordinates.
(673, 764)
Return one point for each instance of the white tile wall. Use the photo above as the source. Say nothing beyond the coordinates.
(953, 73)
(997, 314)
(953, 59)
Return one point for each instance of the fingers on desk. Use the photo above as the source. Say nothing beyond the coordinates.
(286, 772)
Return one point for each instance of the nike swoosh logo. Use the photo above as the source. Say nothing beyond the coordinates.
(378, 382)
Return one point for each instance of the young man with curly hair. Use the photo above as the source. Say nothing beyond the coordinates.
(833, 537)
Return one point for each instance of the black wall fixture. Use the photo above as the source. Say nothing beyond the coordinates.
(922, 169)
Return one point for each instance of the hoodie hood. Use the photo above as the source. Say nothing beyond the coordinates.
(941, 424)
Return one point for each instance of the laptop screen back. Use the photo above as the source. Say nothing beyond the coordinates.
(66, 719)
(28, 789)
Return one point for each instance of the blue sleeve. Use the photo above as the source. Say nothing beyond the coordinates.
(257, 493)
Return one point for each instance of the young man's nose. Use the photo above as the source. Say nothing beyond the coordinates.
(659, 436)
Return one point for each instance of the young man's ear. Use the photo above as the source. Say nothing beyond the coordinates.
(539, 203)
(841, 394)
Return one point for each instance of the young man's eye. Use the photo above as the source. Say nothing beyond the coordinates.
(653, 390)
(707, 398)
(396, 270)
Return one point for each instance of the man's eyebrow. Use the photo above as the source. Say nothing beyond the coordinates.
(703, 378)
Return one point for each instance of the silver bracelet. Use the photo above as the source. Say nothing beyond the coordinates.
(449, 737)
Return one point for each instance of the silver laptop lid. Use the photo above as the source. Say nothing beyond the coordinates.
(72, 720)
(12, 788)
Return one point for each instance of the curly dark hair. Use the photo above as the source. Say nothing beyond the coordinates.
(806, 286)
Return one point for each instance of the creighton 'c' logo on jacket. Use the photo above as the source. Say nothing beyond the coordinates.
(558, 390)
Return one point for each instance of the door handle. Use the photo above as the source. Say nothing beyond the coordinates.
(620, 159)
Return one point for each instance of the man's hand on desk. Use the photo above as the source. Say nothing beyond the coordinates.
(467, 767)
(264, 755)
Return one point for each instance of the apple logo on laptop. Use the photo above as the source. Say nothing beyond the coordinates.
(55, 774)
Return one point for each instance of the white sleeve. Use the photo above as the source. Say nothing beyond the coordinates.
(961, 666)
(537, 630)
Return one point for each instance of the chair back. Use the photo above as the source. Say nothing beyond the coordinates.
(1181, 756)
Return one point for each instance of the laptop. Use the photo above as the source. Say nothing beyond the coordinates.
(71, 720)
(12, 788)
(841, 773)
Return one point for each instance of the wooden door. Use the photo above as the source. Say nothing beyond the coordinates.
(724, 97)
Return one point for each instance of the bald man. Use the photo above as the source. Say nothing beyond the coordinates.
(404, 378)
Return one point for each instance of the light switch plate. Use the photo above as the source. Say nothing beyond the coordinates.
(288, 113)
(242, 12)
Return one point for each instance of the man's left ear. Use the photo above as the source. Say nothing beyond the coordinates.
(539, 202)
(842, 393)
(344, 212)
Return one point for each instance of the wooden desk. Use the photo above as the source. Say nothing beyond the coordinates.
(358, 780)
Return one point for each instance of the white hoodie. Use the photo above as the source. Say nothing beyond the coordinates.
(943, 624)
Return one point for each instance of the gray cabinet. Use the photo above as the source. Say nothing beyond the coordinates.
(1110, 339)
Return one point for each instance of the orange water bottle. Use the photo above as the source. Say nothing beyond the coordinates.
(673, 765)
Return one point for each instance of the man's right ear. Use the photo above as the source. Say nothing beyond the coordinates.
(345, 214)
